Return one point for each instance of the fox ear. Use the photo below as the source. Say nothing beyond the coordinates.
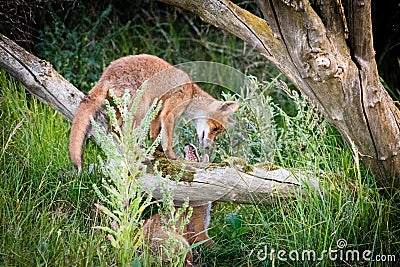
(229, 107)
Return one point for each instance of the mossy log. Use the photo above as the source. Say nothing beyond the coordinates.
(230, 181)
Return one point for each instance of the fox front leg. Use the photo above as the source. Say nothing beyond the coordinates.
(167, 128)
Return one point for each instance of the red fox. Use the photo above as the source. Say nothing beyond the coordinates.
(195, 231)
(172, 86)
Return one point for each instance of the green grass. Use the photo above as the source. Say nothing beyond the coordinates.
(47, 211)
(347, 204)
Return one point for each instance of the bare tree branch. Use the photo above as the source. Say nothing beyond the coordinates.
(361, 28)
(39, 78)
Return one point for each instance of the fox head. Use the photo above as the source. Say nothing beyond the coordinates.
(211, 122)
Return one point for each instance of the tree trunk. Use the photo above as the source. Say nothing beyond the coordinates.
(223, 183)
(330, 58)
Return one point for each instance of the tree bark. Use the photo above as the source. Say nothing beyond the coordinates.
(231, 184)
(308, 43)
(223, 183)
(39, 78)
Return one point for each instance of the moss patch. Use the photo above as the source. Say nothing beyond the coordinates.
(238, 163)
(185, 170)
(174, 168)
(267, 166)
(246, 167)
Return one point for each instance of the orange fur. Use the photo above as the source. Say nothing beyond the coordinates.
(179, 95)
(195, 231)
(170, 85)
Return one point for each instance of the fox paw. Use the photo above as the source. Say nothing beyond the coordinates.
(170, 155)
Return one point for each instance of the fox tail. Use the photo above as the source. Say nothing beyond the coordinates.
(90, 104)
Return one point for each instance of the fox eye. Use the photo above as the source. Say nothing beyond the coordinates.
(215, 129)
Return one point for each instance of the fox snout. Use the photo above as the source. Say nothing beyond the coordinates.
(205, 142)
(207, 131)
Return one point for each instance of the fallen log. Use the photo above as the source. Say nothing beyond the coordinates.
(232, 182)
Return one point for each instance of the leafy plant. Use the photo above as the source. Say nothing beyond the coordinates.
(125, 201)
(173, 221)
(125, 150)
(253, 137)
